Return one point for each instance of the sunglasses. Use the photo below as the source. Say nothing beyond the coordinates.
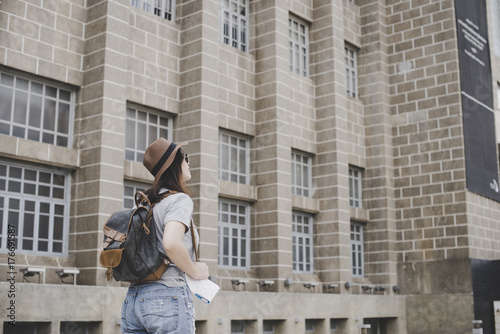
(186, 158)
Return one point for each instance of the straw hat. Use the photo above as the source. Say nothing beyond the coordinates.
(159, 156)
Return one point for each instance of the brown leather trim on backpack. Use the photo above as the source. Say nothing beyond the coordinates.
(110, 259)
(156, 275)
(112, 235)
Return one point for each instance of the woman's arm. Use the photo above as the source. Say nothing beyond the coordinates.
(177, 252)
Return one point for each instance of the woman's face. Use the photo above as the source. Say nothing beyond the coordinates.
(186, 174)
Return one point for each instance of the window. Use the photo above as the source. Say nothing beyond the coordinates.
(237, 327)
(234, 23)
(234, 235)
(309, 326)
(301, 175)
(79, 327)
(357, 249)
(36, 111)
(299, 46)
(143, 128)
(351, 68)
(233, 158)
(34, 206)
(130, 188)
(162, 8)
(355, 187)
(268, 327)
(302, 242)
(333, 325)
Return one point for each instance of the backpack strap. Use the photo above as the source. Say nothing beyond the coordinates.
(142, 199)
(194, 241)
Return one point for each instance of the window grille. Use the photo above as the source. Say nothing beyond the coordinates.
(357, 256)
(234, 235)
(299, 46)
(351, 68)
(302, 242)
(355, 187)
(36, 111)
(234, 23)
(130, 188)
(162, 8)
(142, 129)
(34, 206)
(233, 158)
(301, 174)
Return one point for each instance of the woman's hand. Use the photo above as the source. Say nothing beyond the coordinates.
(201, 270)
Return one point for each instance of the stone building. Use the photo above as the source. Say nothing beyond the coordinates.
(328, 144)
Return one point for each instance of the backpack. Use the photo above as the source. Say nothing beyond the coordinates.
(129, 251)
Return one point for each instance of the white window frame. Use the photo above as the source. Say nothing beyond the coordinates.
(301, 174)
(302, 242)
(298, 31)
(36, 110)
(231, 230)
(357, 250)
(32, 196)
(234, 17)
(162, 8)
(232, 150)
(355, 187)
(129, 190)
(351, 68)
(265, 326)
(143, 127)
(239, 323)
(309, 325)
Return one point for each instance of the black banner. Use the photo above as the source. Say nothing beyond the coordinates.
(481, 157)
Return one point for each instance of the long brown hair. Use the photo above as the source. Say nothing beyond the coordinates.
(171, 180)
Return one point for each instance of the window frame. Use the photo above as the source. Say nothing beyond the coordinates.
(302, 250)
(299, 52)
(44, 98)
(351, 66)
(355, 187)
(127, 199)
(357, 249)
(301, 189)
(37, 200)
(232, 227)
(226, 19)
(230, 173)
(151, 6)
(138, 149)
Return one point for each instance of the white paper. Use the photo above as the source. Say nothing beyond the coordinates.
(204, 289)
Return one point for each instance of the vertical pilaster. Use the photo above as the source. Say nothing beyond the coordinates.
(378, 179)
(272, 247)
(98, 183)
(332, 231)
(198, 120)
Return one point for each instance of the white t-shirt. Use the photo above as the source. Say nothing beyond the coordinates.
(178, 207)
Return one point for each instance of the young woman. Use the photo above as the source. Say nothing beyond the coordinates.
(165, 305)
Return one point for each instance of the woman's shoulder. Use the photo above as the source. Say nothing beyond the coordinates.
(178, 198)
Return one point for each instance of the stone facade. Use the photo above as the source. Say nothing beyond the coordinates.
(403, 131)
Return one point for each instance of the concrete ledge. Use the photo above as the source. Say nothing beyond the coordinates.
(237, 191)
(29, 150)
(306, 204)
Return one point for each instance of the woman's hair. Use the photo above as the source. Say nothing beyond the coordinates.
(171, 180)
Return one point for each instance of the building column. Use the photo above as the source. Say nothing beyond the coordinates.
(380, 249)
(333, 258)
(271, 235)
(99, 135)
(198, 120)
